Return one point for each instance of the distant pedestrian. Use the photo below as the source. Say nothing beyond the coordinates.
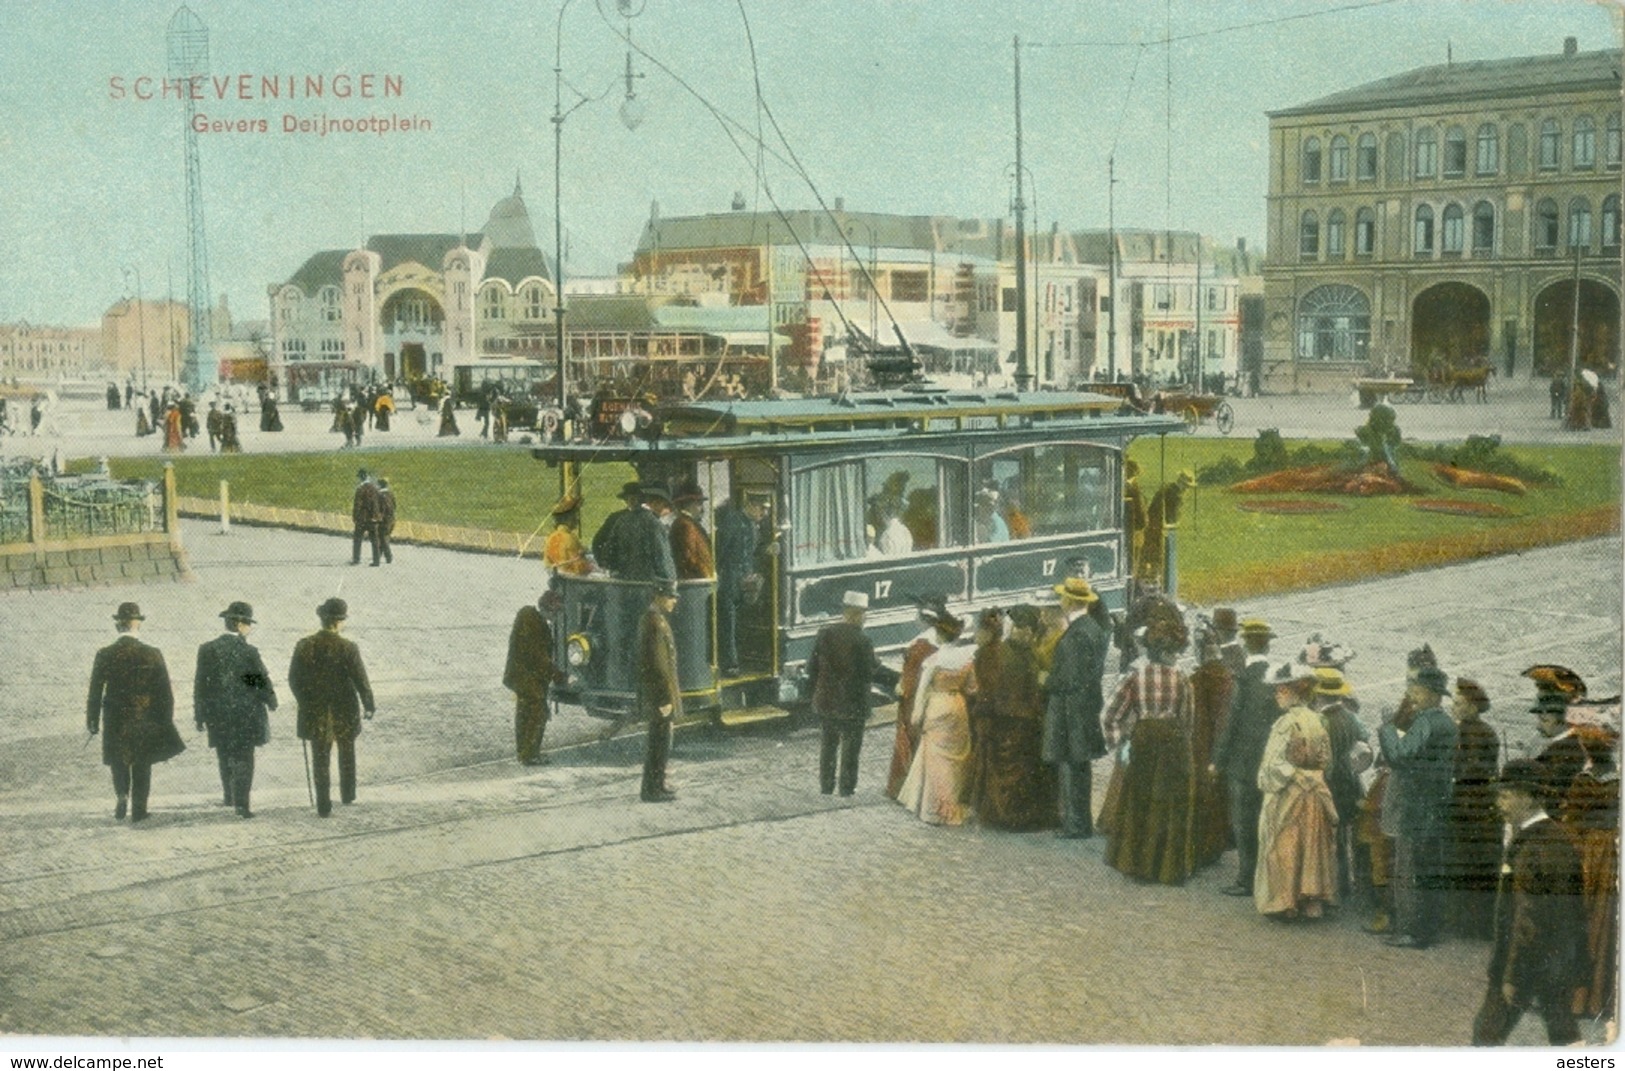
(528, 674)
(383, 409)
(270, 416)
(329, 682)
(231, 698)
(229, 442)
(386, 521)
(364, 514)
(840, 671)
(211, 424)
(448, 418)
(131, 699)
(174, 439)
(1540, 956)
(659, 695)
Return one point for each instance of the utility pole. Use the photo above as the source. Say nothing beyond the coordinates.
(1201, 369)
(1023, 374)
(1111, 268)
(1574, 326)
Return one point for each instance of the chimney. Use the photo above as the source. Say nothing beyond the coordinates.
(739, 201)
(1241, 246)
(1571, 45)
(840, 203)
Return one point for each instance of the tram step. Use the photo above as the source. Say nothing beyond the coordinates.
(752, 715)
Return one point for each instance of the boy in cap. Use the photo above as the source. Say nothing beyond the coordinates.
(327, 677)
(130, 695)
(840, 670)
(231, 695)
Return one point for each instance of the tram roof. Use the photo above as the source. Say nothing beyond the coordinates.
(776, 425)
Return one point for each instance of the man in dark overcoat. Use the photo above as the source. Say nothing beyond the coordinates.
(231, 698)
(1073, 738)
(736, 562)
(131, 699)
(604, 547)
(1240, 748)
(1423, 763)
(528, 673)
(840, 670)
(364, 512)
(641, 548)
(327, 679)
(386, 521)
(659, 696)
(1540, 955)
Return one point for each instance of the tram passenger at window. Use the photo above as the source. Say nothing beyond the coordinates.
(989, 527)
(920, 518)
(894, 538)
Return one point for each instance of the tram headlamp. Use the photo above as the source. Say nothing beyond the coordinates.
(578, 651)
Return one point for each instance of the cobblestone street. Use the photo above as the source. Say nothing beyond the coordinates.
(467, 897)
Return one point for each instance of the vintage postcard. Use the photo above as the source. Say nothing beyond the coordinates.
(1037, 523)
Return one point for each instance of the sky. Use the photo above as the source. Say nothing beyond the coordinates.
(902, 106)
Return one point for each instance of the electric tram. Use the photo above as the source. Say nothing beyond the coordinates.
(981, 499)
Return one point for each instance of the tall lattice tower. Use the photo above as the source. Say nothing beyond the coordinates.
(188, 41)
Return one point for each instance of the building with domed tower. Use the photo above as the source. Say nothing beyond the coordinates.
(1453, 215)
(404, 306)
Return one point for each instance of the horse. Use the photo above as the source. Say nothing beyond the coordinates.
(1476, 379)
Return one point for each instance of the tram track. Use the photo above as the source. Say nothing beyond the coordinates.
(306, 865)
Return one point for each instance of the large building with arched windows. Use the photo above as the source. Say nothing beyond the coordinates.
(1443, 217)
(409, 305)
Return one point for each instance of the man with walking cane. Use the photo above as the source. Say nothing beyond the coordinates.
(327, 677)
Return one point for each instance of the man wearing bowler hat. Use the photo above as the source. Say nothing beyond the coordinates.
(1540, 955)
(840, 670)
(1423, 761)
(231, 695)
(326, 677)
(690, 545)
(364, 514)
(659, 696)
(131, 698)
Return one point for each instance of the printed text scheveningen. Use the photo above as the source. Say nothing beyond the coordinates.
(340, 85)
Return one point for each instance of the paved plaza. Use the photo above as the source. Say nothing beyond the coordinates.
(464, 896)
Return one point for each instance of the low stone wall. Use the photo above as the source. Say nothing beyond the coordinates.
(450, 537)
(90, 560)
(121, 559)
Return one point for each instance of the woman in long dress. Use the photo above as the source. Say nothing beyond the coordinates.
(938, 779)
(941, 629)
(1151, 835)
(1297, 826)
(174, 441)
(1014, 787)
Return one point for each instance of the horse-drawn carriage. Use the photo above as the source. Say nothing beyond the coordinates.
(1439, 383)
(1191, 407)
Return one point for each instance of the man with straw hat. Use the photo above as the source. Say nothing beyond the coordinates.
(1073, 738)
(131, 698)
(231, 695)
(1240, 748)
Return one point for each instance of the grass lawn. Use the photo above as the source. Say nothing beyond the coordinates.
(1224, 552)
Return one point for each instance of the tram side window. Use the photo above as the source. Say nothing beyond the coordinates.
(884, 507)
(1053, 489)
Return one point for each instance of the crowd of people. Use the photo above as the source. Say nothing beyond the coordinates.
(1416, 820)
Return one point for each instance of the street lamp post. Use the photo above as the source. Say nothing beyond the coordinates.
(870, 282)
(141, 318)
